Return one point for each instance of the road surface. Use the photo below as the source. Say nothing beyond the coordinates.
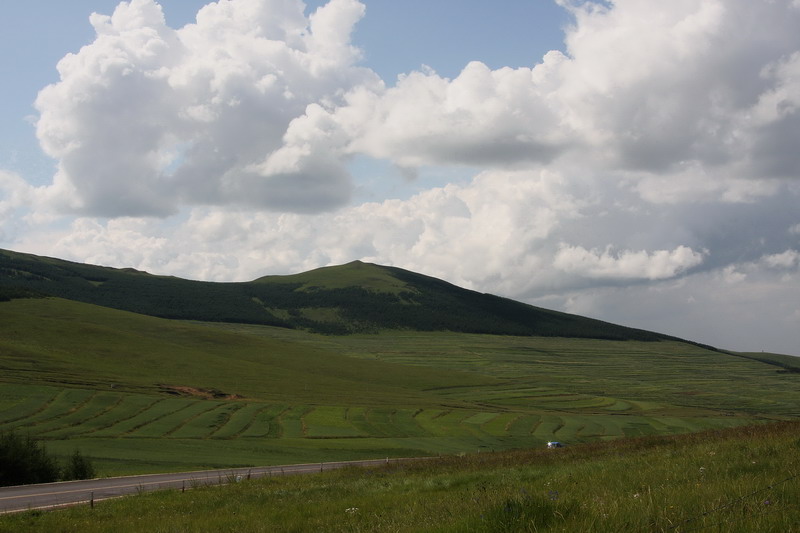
(52, 495)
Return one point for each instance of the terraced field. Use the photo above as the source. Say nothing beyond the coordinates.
(140, 394)
(86, 414)
(238, 432)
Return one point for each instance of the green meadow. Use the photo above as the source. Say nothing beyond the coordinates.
(140, 394)
(743, 480)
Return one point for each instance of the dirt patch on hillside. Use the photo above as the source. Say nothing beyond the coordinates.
(208, 394)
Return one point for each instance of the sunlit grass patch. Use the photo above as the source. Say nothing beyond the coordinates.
(330, 422)
(153, 411)
(19, 402)
(265, 422)
(204, 424)
(291, 421)
(63, 403)
(500, 425)
(77, 420)
(237, 417)
(115, 421)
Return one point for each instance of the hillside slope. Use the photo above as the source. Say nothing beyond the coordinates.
(351, 298)
(72, 344)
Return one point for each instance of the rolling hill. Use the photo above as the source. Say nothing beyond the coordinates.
(353, 298)
(148, 373)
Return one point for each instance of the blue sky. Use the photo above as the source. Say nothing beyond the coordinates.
(635, 161)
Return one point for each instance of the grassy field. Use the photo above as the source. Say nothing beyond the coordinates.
(141, 394)
(741, 480)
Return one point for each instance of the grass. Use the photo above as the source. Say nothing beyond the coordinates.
(739, 480)
(140, 394)
(343, 276)
(90, 347)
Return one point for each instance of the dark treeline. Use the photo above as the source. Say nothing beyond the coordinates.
(24, 460)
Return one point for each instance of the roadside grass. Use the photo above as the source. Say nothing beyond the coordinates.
(738, 480)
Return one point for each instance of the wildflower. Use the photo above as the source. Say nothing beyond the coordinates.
(351, 510)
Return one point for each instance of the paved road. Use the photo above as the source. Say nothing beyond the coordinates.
(49, 495)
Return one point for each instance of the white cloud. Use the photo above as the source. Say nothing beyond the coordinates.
(14, 192)
(731, 275)
(17, 191)
(628, 264)
(147, 118)
(694, 184)
(482, 117)
(259, 105)
(784, 260)
(648, 86)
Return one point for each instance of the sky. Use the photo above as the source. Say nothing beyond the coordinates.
(636, 161)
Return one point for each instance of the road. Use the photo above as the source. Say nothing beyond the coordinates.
(52, 495)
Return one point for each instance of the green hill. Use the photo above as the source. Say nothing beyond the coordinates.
(225, 387)
(351, 298)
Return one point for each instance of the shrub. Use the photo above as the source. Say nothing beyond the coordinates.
(23, 460)
(78, 467)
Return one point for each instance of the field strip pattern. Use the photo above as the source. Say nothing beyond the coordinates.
(84, 414)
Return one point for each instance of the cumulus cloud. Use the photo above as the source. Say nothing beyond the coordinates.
(147, 118)
(629, 264)
(785, 260)
(258, 104)
(658, 84)
(691, 98)
(482, 117)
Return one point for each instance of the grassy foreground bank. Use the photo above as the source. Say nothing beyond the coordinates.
(739, 480)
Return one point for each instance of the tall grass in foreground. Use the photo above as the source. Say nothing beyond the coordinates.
(738, 480)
